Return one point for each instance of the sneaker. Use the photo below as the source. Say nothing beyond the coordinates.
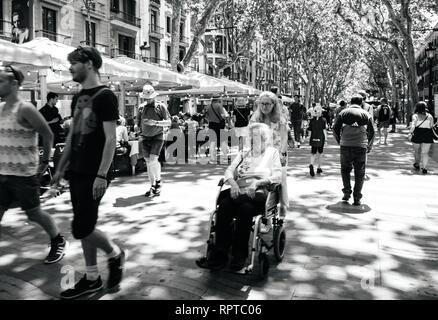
(356, 202)
(150, 193)
(84, 286)
(346, 197)
(57, 251)
(424, 170)
(319, 171)
(115, 266)
(312, 172)
(416, 166)
(217, 261)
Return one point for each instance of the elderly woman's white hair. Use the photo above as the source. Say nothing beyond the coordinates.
(265, 132)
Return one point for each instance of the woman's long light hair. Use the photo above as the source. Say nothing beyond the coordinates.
(275, 114)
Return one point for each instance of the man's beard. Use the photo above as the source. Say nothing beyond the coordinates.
(79, 77)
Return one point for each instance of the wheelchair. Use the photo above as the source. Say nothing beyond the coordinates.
(260, 245)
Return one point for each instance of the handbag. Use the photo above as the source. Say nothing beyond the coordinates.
(435, 131)
(261, 193)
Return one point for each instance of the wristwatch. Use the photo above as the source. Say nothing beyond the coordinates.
(101, 176)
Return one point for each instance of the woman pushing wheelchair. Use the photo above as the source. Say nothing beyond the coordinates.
(249, 175)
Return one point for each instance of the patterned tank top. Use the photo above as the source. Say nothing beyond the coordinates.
(18, 145)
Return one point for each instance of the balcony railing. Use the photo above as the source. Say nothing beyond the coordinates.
(116, 52)
(126, 17)
(102, 48)
(52, 35)
(5, 30)
(155, 30)
(156, 1)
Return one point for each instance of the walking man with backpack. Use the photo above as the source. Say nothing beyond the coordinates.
(383, 118)
(87, 158)
(297, 111)
(152, 116)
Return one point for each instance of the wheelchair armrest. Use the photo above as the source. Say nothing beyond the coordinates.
(273, 187)
(221, 182)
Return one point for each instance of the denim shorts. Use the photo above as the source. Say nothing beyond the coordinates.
(25, 190)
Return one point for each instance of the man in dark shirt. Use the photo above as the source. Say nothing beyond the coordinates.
(88, 153)
(354, 131)
(297, 111)
(51, 113)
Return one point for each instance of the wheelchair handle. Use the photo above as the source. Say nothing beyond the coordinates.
(221, 182)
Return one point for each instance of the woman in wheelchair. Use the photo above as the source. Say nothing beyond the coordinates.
(248, 175)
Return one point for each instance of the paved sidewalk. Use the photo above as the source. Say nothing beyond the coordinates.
(386, 249)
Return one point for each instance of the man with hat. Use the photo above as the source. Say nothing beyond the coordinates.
(152, 117)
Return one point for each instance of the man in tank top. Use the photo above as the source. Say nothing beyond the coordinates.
(20, 168)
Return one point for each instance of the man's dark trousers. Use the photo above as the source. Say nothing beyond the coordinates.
(353, 157)
(296, 125)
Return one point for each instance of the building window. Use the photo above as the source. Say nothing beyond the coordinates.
(168, 53)
(182, 53)
(181, 30)
(90, 34)
(155, 50)
(219, 45)
(154, 18)
(115, 6)
(168, 25)
(127, 46)
(209, 43)
(49, 23)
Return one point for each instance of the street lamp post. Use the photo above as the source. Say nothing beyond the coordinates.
(430, 51)
(144, 50)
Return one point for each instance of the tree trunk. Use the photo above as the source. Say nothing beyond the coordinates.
(201, 25)
(175, 40)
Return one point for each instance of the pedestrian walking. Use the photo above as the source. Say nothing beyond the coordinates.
(383, 117)
(366, 106)
(217, 117)
(51, 113)
(297, 111)
(270, 112)
(318, 137)
(20, 164)
(241, 119)
(152, 118)
(342, 106)
(87, 158)
(421, 136)
(394, 118)
(354, 131)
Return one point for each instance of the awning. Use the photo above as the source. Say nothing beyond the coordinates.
(11, 53)
(165, 78)
(210, 86)
(111, 69)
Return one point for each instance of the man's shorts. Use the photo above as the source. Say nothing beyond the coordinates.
(85, 208)
(317, 149)
(241, 131)
(151, 146)
(383, 124)
(25, 190)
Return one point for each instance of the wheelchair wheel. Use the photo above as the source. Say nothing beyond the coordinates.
(279, 242)
(263, 266)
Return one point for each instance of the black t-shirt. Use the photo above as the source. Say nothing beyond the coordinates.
(88, 138)
(242, 117)
(297, 111)
(51, 113)
(317, 126)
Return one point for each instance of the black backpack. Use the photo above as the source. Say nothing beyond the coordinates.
(384, 113)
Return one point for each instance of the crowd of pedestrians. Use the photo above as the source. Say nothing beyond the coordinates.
(96, 130)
